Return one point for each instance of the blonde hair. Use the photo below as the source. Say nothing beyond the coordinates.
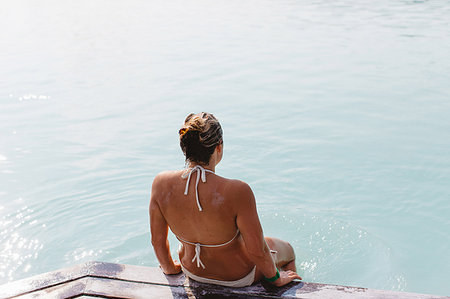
(199, 136)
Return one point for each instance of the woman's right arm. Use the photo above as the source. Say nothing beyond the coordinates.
(252, 233)
(159, 230)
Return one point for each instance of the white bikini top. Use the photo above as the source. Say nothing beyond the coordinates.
(198, 246)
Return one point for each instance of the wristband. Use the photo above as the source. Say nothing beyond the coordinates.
(272, 279)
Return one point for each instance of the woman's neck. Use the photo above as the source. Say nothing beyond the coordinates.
(209, 166)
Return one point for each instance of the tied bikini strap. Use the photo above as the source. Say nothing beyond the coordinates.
(198, 248)
(201, 172)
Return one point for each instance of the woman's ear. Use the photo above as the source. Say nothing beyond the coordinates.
(219, 151)
(219, 148)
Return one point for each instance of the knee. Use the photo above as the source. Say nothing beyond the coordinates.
(287, 251)
(284, 249)
(291, 252)
(270, 242)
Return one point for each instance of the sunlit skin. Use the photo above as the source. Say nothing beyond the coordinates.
(227, 205)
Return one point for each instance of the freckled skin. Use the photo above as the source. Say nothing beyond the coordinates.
(217, 198)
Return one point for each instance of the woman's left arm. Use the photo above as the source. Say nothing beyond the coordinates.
(159, 230)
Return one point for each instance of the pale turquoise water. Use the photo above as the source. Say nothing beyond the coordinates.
(337, 113)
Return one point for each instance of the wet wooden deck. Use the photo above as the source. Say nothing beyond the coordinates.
(108, 280)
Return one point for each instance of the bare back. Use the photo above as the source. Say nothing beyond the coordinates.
(215, 224)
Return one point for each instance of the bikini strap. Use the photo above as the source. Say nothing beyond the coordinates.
(201, 172)
(208, 245)
(223, 244)
(198, 248)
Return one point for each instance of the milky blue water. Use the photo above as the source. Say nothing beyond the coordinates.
(337, 113)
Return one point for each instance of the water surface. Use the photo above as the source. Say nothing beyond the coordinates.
(335, 112)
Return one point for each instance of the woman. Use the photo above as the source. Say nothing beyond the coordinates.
(216, 221)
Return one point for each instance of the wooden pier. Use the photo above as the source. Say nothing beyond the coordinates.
(108, 280)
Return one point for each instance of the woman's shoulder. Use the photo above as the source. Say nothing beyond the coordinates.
(238, 187)
(166, 176)
(236, 183)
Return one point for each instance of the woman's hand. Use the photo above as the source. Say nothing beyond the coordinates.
(175, 269)
(286, 277)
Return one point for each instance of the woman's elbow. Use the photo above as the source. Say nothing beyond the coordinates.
(256, 253)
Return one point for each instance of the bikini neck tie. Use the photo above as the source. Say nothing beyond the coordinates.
(201, 172)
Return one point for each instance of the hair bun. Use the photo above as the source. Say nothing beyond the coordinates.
(182, 131)
(199, 135)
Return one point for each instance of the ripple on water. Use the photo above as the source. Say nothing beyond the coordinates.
(333, 251)
(79, 255)
(17, 252)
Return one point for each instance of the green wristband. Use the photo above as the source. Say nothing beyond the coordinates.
(272, 279)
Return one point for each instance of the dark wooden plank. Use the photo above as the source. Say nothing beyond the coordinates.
(44, 280)
(108, 280)
(293, 290)
(126, 289)
(65, 290)
(134, 273)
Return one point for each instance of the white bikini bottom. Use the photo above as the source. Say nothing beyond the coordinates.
(243, 282)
